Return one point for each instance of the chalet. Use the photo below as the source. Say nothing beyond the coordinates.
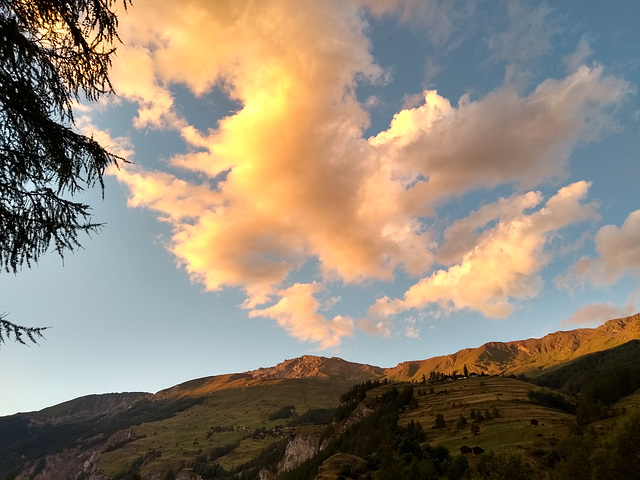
(477, 450)
(533, 422)
(464, 450)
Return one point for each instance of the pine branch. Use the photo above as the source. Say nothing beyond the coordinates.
(8, 329)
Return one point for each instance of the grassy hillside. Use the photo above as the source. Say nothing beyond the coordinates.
(226, 416)
(501, 402)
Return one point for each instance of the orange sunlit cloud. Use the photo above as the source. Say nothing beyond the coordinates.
(296, 312)
(501, 264)
(596, 312)
(618, 251)
(301, 181)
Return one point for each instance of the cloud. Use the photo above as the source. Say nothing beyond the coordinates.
(410, 329)
(527, 36)
(580, 56)
(296, 312)
(288, 180)
(445, 23)
(494, 265)
(598, 313)
(501, 138)
(618, 251)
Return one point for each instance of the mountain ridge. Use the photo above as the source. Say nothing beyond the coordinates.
(102, 436)
(530, 357)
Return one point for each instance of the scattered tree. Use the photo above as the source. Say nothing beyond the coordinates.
(462, 421)
(440, 422)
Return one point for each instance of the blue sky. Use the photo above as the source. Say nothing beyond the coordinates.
(377, 180)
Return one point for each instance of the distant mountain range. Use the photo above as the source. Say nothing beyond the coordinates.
(529, 357)
(90, 429)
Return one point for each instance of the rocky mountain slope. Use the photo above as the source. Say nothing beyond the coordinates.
(312, 366)
(530, 357)
(86, 408)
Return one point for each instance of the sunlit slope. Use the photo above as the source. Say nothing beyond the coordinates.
(503, 405)
(307, 366)
(529, 357)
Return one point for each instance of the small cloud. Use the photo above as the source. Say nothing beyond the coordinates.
(431, 70)
(618, 251)
(376, 326)
(527, 36)
(595, 314)
(413, 101)
(579, 57)
(372, 102)
(297, 312)
(410, 330)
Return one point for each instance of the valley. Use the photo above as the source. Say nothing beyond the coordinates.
(315, 414)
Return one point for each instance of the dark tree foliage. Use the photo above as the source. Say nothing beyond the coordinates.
(285, 412)
(589, 456)
(266, 459)
(218, 452)
(598, 380)
(349, 400)
(18, 332)
(317, 416)
(549, 398)
(493, 466)
(52, 53)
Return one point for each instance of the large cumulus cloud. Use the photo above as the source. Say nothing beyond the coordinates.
(289, 176)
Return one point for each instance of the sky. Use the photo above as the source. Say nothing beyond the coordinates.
(378, 180)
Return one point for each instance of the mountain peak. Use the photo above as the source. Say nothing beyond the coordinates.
(314, 366)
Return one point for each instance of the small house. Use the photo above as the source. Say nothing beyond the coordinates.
(477, 450)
